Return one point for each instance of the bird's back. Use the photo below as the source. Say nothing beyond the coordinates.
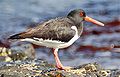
(58, 29)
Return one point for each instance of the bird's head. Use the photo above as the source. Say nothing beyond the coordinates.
(79, 15)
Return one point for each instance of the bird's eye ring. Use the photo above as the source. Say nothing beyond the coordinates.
(81, 14)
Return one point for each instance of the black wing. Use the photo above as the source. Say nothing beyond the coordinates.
(56, 29)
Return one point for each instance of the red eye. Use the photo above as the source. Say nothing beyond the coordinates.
(81, 14)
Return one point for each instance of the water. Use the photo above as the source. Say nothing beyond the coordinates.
(16, 15)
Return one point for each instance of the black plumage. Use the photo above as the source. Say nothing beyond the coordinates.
(55, 29)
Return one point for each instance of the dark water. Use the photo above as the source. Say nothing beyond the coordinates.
(15, 15)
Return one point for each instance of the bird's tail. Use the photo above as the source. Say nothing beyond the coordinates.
(18, 36)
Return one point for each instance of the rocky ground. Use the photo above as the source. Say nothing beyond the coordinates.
(40, 68)
(19, 61)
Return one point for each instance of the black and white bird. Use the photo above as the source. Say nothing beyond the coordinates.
(57, 33)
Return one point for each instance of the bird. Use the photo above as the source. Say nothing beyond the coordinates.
(57, 33)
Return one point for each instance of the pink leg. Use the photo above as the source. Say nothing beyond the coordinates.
(58, 63)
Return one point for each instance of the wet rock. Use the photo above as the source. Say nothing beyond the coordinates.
(103, 73)
(40, 68)
(22, 52)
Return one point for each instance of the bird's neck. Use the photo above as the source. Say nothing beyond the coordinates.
(78, 24)
(80, 28)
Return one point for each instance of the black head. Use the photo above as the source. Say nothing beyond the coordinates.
(77, 15)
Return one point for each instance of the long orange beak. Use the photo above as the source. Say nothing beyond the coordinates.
(93, 21)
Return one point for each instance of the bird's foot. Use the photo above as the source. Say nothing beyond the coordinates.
(66, 68)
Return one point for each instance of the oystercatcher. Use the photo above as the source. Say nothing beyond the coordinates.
(57, 33)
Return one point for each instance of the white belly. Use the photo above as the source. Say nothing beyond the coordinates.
(51, 43)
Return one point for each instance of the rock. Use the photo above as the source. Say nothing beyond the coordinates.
(103, 73)
(41, 68)
(22, 52)
(18, 62)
